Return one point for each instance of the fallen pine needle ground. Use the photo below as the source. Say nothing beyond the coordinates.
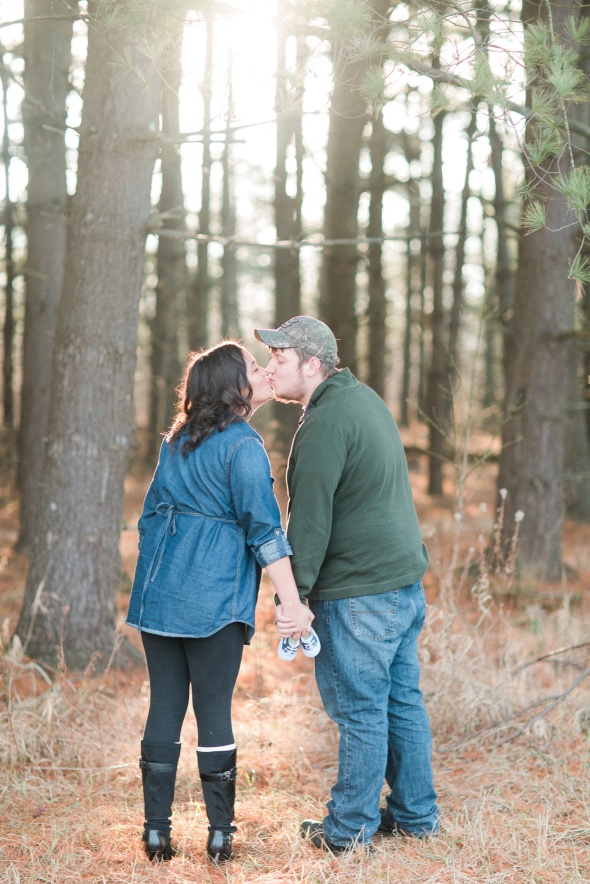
(71, 806)
(511, 757)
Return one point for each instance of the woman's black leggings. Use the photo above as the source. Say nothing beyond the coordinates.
(210, 666)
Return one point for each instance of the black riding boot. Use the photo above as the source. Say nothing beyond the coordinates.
(158, 765)
(218, 777)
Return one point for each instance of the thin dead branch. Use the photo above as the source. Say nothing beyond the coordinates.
(550, 655)
(553, 701)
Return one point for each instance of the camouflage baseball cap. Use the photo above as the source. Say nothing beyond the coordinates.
(309, 334)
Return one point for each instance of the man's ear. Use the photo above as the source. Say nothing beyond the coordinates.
(312, 366)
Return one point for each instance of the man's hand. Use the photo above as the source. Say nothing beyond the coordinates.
(293, 622)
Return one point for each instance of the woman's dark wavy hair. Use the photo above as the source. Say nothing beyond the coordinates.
(211, 394)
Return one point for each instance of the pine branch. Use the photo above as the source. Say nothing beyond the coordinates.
(418, 67)
(319, 243)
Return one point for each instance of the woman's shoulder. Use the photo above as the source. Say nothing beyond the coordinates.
(225, 442)
(240, 431)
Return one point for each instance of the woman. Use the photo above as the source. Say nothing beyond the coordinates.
(210, 522)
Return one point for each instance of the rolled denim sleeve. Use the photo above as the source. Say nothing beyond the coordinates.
(274, 549)
(256, 507)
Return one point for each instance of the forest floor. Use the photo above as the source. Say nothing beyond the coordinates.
(513, 775)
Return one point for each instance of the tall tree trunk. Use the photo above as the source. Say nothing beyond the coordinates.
(198, 308)
(422, 368)
(47, 62)
(500, 287)
(505, 278)
(348, 116)
(69, 603)
(457, 304)
(377, 301)
(413, 281)
(533, 438)
(499, 305)
(488, 397)
(172, 276)
(578, 430)
(404, 396)
(287, 201)
(586, 366)
(577, 450)
(230, 320)
(437, 392)
(8, 329)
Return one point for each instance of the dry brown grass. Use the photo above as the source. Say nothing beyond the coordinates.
(519, 811)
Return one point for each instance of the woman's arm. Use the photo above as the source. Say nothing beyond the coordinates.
(293, 609)
(258, 514)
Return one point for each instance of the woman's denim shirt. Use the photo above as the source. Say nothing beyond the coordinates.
(210, 522)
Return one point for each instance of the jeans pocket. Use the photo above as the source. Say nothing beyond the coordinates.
(374, 617)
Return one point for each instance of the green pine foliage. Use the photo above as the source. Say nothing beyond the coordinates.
(534, 216)
(346, 19)
(565, 76)
(579, 30)
(438, 100)
(373, 87)
(537, 46)
(575, 188)
(580, 270)
(546, 142)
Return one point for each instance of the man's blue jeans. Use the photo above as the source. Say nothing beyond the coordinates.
(368, 676)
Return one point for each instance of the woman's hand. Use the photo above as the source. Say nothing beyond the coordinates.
(293, 620)
(293, 617)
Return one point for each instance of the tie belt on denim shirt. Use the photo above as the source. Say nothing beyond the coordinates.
(169, 512)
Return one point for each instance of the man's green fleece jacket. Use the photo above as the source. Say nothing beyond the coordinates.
(352, 521)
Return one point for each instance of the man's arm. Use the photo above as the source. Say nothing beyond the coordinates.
(318, 460)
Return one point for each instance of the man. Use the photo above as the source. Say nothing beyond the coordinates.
(358, 557)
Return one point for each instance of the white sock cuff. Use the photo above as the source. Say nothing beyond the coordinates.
(216, 748)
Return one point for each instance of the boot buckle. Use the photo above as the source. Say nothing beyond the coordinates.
(226, 776)
(156, 766)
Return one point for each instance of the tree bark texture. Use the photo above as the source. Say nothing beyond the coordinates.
(377, 299)
(348, 117)
(230, 317)
(422, 367)
(505, 277)
(578, 432)
(437, 392)
(198, 307)
(412, 148)
(533, 438)
(9, 321)
(172, 276)
(47, 62)
(584, 111)
(577, 453)
(287, 202)
(458, 285)
(586, 363)
(488, 393)
(287, 205)
(69, 604)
